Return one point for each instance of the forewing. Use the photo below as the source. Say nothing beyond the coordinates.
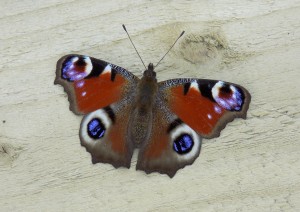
(91, 83)
(205, 105)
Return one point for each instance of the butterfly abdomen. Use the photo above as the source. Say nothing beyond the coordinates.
(139, 128)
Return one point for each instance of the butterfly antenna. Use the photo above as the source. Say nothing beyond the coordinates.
(134, 45)
(170, 48)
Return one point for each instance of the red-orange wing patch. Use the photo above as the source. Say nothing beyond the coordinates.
(91, 83)
(171, 145)
(205, 105)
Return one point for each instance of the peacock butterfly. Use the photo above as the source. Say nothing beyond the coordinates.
(165, 120)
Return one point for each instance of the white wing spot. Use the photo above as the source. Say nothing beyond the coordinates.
(216, 89)
(194, 85)
(74, 59)
(89, 65)
(107, 69)
(80, 84)
(217, 109)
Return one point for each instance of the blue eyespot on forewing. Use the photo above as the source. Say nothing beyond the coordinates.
(76, 68)
(228, 96)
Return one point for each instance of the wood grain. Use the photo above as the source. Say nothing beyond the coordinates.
(253, 166)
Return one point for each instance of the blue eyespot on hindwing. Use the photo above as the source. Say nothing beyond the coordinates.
(183, 144)
(95, 128)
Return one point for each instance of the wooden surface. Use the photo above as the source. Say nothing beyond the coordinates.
(253, 166)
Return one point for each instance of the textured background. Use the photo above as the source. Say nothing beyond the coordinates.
(253, 166)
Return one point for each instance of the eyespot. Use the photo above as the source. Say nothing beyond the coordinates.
(186, 143)
(227, 96)
(183, 144)
(95, 128)
(76, 68)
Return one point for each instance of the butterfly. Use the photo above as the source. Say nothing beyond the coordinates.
(165, 120)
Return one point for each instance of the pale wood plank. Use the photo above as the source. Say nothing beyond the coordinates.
(253, 166)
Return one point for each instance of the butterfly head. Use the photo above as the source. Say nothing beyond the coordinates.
(150, 73)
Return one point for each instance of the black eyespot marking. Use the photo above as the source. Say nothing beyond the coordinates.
(205, 90)
(98, 68)
(174, 124)
(80, 62)
(109, 111)
(225, 89)
(186, 87)
(183, 144)
(96, 128)
(113, 75)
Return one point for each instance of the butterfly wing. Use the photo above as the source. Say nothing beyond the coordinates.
(91, 83)
(105, 93)
(185, 111)
(205, 105)
(172, 143)
(103, 134)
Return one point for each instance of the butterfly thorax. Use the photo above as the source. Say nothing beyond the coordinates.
(142, 114)
(147, 89)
